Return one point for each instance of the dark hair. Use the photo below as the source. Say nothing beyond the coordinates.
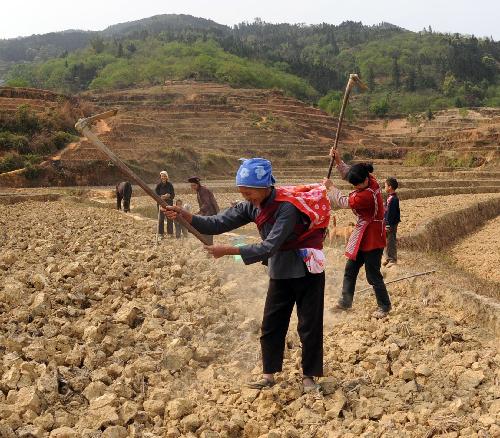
(359, 172)
(194, 180)
(392, 182)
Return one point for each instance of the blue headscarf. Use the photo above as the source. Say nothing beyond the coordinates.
(255, 173)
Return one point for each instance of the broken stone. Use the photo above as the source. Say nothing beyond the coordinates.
(204, 354)
(30, 431)
(154, 407)
(64, 432)
(177, 359)
(407, 373)
(249, 325)
(129, 314)
(329, 386)
(40, 305)
(115, 432)
(191, 423)
(39, 281)
(28, 398)
(128, 411)
(470, 379)
(178, 408)
(94, 390)
(71, 269)
(101, 412)
(423, 370)
(336, 405)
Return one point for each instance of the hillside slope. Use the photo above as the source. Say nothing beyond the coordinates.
(204, 128)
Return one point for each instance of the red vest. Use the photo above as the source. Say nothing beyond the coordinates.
(369, 233)
(311, 201)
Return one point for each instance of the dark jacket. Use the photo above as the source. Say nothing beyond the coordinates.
(164, 188)
(282, 264)
(206, 201)
(392, 215)
(124, 190)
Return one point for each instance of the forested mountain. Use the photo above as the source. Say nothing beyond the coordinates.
(43, 47)
(406, 71)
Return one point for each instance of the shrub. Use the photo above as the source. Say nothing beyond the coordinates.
(60, 139)
(463, 112)
(32, 172)
(11, 162)
(380, 108)
(27, 121)
(9, 141)
(429, 159)
(332, 104)
(347, 157)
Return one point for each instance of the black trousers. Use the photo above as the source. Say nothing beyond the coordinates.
(308, 293)
(126, 202)
(161, 224)
(372, 261)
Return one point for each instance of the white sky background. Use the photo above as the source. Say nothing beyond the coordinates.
(27, 17)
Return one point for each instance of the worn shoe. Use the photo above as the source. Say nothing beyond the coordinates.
(261, 384)
(391, 263)
(340, 306)
(380, 313)
(314, 388)
(385, 262)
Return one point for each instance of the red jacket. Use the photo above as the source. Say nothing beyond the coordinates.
(368, 206)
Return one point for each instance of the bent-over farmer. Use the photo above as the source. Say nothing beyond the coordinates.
(123, 192)
(291, 249)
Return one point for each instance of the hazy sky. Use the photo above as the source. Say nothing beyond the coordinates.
(478, 17)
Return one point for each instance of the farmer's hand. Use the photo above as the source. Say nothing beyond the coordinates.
(334, 153)
(218, 251)
(328, 183)
(171, 211)
(165, 196)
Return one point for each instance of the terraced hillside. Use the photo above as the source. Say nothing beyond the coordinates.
(474, 131)
(204, 128)
(38, 100)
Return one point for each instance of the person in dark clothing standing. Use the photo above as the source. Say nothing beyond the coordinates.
(206, 201)
(165, 190)
(284, 230)
(392, 218)
(123, 192)
(367, 242)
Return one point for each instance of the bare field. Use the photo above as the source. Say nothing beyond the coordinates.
(416, 212)
(104, 334)
(480, 252)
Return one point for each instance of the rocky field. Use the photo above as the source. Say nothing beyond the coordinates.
(102, 334)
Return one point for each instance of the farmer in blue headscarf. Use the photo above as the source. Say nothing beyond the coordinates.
(281, 226)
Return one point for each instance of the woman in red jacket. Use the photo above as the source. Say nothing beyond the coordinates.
(367, 241)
